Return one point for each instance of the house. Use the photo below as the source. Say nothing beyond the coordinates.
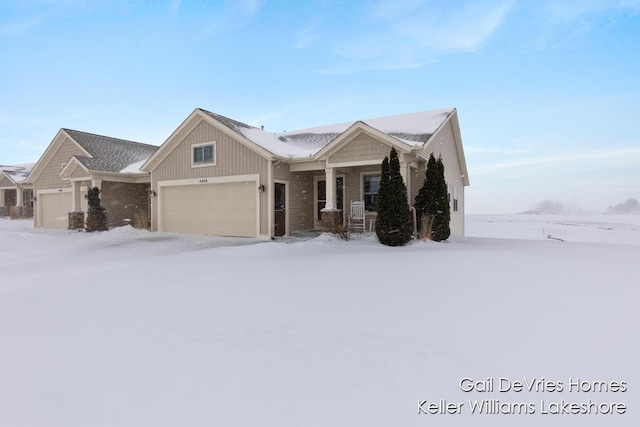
(218, 176)
(16, 196)
(76, 161)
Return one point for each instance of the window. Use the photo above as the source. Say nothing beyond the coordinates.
(204, 155)
(455, 198)
(371, 185)
(321, 192)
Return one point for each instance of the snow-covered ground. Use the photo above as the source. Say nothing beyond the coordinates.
(132, 328)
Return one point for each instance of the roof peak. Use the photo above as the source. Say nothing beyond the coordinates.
(67, 130)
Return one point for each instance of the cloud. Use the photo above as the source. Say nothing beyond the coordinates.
(246, 8)
(307, 36)
(557, 22)
(410, 34)
(495, 150)
(175, 6)
(22, 26)
(564, 11)
(601, 156)
(235, 14)
(466, 29)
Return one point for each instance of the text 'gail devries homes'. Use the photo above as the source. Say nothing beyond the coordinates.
(76, 161)
(218, 176)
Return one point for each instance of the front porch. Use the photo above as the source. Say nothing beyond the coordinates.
(321, 199)
(16, 202)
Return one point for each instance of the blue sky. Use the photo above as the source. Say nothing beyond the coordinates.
(548, 91)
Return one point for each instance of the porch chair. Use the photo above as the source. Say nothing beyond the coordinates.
(357, 217)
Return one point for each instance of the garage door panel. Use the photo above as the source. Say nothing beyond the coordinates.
(55, 207)
(225, 209)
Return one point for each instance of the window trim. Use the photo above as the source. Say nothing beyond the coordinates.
(362, 175)
(203, 164)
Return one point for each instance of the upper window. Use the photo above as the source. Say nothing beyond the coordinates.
(370, 187)
(204, 154)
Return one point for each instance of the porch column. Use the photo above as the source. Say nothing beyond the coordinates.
(75, 197)
(96, 183)
(19, 197)
(330, 188)
(76, 216)
(1, 198)
(331, 217)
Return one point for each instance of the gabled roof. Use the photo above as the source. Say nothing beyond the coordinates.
(406, 131)
(99, 153)
(17, 173)
(413, 129)
(109, 154)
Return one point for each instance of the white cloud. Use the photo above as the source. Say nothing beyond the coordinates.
(605, 159)
(234, 15)
(22, 26)
(307, 36)
(175, 5)
(246, 8)
(465, 28)
(410, 34)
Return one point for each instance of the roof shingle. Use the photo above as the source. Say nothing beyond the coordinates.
(109, 154)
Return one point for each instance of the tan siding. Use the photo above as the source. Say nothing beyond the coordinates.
(6, 182)
(78, 172)
(122, 200)
(50, 176)
(232, 158)
(443, 144)
(417, 181)
(362, 147)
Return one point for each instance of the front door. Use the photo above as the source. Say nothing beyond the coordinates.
(280, 213)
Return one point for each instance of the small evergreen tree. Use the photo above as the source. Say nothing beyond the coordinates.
(432, 202)
(394, 223)
(96, 216)
(441, 213)
(424, 201)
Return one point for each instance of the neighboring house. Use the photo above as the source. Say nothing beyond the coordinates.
(16, 196)
(218, 176)
(76, 161)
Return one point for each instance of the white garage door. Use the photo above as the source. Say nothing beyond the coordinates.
(225, 209)
(54, 209)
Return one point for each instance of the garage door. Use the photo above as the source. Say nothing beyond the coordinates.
(54, 209)
(225, 209)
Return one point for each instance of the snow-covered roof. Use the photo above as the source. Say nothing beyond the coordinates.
(110, 154)
(134, 167)
(414, 129)
(17, 173)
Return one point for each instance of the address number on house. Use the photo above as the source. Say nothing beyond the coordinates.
(203, 181)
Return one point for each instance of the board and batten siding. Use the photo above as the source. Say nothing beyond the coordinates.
(362, 147)
(444, 144)
(50, 177)
(231, 158)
